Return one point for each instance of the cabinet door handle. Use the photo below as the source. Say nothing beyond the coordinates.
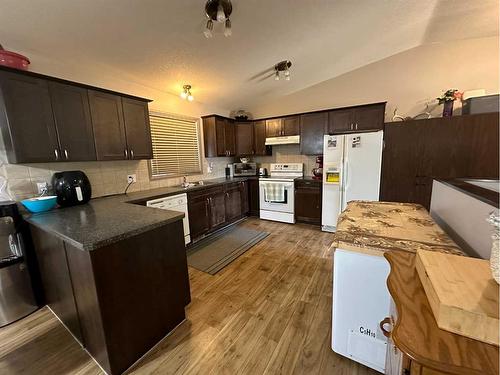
(56, 153)
(126, 153)
(131, 154)
(356, 126)
(66, 154)
(227, 195)
(384, 322)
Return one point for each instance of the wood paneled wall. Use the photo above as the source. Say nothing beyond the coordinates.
(418, 151)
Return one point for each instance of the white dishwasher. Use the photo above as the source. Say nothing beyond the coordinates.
(174, 203)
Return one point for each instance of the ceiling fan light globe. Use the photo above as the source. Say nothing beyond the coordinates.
(227, 28)
(221, 16)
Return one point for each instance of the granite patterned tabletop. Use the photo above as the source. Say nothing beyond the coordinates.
(376, 227)
(106, 220)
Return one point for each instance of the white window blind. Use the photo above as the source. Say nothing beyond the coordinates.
(176, 148)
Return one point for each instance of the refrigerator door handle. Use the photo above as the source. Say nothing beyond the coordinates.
(345, 171)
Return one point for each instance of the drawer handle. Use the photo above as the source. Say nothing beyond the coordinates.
(56, 153)
(384, 331)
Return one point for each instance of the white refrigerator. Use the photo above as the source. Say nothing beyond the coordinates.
(351, 171)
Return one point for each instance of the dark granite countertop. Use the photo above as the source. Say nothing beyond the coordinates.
(107, 220)
(145, 195)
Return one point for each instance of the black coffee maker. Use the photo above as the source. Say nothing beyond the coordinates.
(71, 187)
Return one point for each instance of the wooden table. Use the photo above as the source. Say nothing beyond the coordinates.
(427, 348)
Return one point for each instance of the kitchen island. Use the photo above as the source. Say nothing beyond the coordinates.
(361, 300)
(115, 271)
(115, 274)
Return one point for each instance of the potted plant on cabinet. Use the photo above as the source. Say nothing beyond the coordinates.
(447, 99)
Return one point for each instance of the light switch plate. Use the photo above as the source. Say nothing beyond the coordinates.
(131, 178)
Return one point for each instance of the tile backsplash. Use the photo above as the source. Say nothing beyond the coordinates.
(106, 177)
(288, 154)
(110, 177)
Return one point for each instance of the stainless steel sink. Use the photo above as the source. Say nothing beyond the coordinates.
(189, 185)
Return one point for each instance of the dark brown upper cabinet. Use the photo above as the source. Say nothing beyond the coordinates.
(218, 136)
(340, 121)
(121, 127)
(244, 136)
(48, 119)
(370, 117)
(283, 126)
(273, 127)
(312, 129)
(356, 119)
(109, 126)
(137, 130)
(27, 123)
(291, 125)
(229, 137)
(259, 133)
(70, 105)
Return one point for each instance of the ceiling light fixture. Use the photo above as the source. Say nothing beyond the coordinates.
(282, 68)
(186, 93)
(218, 11)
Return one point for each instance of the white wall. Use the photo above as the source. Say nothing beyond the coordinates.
(407, 80)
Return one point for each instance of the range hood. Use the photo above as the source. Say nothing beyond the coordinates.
(285, 140)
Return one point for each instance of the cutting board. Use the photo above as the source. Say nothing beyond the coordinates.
(462, 294)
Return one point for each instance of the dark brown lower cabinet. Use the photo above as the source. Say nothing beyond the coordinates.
(199, 219)
(416, 152)
(212, 208)
(253, 197)
(233, 201)
(217, 209)
(245, 206)
(56, 279)
(308, 201)
(124, 297)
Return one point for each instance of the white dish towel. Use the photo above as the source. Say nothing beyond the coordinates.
(274, 192)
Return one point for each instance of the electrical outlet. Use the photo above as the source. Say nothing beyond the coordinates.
(42, 187)
(131, 178)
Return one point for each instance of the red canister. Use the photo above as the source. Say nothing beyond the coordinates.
(13, 60)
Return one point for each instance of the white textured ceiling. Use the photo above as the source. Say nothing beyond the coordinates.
(159, 43)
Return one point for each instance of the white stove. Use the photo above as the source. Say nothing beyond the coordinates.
(277, 192)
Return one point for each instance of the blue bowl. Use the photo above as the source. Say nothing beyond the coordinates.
(40, 204)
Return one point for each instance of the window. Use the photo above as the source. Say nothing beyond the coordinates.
(176, 146)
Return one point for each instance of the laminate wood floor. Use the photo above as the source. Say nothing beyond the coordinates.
(268, 312)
